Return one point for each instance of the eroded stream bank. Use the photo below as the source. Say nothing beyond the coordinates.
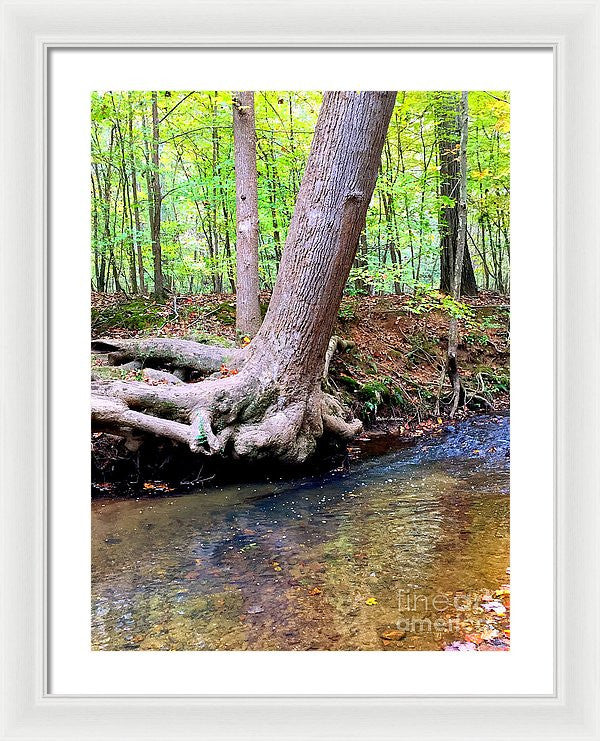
(394, 554)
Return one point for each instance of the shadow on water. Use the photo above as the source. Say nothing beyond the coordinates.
(327, 563)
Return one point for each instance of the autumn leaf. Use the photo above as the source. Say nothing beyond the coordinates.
(393, 635)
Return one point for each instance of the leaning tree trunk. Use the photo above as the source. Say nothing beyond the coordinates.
(448, 137)
(246, 202)
(461, 245)
(275, 407)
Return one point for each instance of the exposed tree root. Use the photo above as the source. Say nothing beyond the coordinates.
(183, 354)
(248, 415)
(335, 343)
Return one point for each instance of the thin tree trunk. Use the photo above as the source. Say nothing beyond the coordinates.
(246, 199)
(95, 234)
(155, 205)
(461, 246)
(217, 276)
(447, 113)
(126, 202)
(136, 207)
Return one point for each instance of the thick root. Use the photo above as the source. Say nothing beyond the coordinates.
(113, 413)
(172, 353)
(242, 416)
(338, 421)
(247, 415)
(335, 343)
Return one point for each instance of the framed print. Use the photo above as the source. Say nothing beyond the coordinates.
(343, 410)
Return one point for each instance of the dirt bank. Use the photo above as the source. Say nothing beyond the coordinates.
(392, 372)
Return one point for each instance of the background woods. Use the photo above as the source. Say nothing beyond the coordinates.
(163, 187)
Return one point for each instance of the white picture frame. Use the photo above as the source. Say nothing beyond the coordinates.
(29, 31)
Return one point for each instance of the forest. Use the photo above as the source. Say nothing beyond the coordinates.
(177, 148)
(294, 198)
(300, 370)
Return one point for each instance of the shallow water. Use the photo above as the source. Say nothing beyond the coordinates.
(407, 542)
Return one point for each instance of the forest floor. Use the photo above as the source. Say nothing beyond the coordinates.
(392, 374)
(393, 371)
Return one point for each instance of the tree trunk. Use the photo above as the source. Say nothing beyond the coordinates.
(461, 246)
(246, 200)
(155, 197)
(275, 407)
(448, 135)
(136, 208)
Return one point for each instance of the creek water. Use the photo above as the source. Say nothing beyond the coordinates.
(401, 545)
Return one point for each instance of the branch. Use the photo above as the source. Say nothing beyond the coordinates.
(175, 106)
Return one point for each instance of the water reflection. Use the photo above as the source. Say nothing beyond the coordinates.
(326, 564)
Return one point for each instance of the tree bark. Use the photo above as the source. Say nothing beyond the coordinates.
(136, 208)
(246, 199)
(448, 136)
(275, 407)
(461, 246)
(155, 204)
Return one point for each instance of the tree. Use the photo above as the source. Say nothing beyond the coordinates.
(246, 201)
(461, 247)
(137, 231)
(274, 407)
(448, 135)
(155, 202)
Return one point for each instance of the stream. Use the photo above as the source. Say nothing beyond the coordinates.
(393, 554)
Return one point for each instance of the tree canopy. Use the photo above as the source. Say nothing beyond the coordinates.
(399, 248)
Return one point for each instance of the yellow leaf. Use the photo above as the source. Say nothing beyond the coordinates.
(371, 601)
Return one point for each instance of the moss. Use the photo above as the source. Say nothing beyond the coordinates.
(352, 383)
(168, 409)
(206, 338)
(422, 343)
(109, 372)
(495, 379)
(224, 312)
(375, 394)
(347, 310)
(201, 434)
(137, 314)
(258, 405)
